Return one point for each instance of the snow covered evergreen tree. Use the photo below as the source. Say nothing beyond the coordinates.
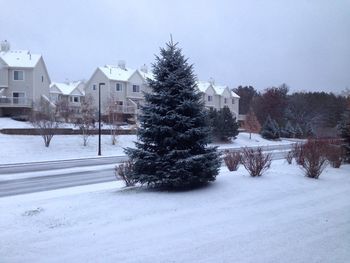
(288, 131)
(298, 131)
(270, 129)
(344, 130)
(172, 149)
(224, 125)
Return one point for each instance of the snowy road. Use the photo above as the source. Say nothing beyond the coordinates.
(43, 176)
(50, 182)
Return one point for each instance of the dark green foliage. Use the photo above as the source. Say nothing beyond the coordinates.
(298, 131)
(309, 131)
(288, 131)
(320, 108)
(246, 95)
(270, 129)
(224, 125)
(344, 130)
(172, 149)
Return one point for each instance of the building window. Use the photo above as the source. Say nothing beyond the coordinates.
(76, 99)
(42, 78)
(118, 87)
(119, 103)
(233, 101)
(18, 75)
(225, 100)
(210, 98)
(135, 88)
(94, 87)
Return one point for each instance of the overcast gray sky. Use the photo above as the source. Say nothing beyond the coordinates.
(263, 43)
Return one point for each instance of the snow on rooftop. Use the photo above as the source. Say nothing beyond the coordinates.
(203, 85)
(117, 73)
(219, 89)
(233, 94)
(146, 75)
(66, 88)
(20, 58)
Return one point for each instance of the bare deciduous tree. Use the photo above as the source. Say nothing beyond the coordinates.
(63, 109)
(86, 122)
(45, 121)
(114, 114)
(251, 123)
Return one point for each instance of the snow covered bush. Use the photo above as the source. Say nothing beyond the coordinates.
(123, 171)
(172, 149)
(255, 161)
(314, 158)
(232, 160)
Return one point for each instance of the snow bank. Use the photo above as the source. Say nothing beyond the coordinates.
(280, 217)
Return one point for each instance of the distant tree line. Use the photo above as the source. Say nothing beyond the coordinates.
(295, 115)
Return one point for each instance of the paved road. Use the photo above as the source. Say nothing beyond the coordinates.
(51, 182)
(63, 179)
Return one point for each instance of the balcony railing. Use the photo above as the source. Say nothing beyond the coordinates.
(124, 109)
(16, 102)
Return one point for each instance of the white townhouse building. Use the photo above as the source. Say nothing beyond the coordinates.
(71, 92)
(218, 96)
(124, 85)
(24, 80)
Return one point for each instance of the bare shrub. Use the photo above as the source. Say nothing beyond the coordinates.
(45, 121)
(232, 160)
(123, 171)
(334, 154)
(298, 153)
(255, 161)
(289, 157)
(115, 115)
(86, 122)
(314, 158)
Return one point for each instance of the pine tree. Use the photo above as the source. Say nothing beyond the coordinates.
(288, 131)
(298, 131)
(309, 130)
(251, 123)
(344, 130)
(224, 125)
(172, 149)
(270, 129)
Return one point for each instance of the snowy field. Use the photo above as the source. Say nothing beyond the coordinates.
(20, 148)
(280, 217)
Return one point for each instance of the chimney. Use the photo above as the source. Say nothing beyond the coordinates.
(4, 46)
(144, 68)
(122, 64)
(30, 55)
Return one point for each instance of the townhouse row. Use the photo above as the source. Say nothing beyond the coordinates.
(24, 81)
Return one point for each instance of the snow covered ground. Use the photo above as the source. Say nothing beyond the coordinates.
(19, 149)
(280, 217)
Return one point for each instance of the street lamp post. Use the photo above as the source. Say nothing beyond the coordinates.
(99, 117)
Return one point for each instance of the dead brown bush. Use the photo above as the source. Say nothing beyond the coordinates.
(255, 161)
(232, 160)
